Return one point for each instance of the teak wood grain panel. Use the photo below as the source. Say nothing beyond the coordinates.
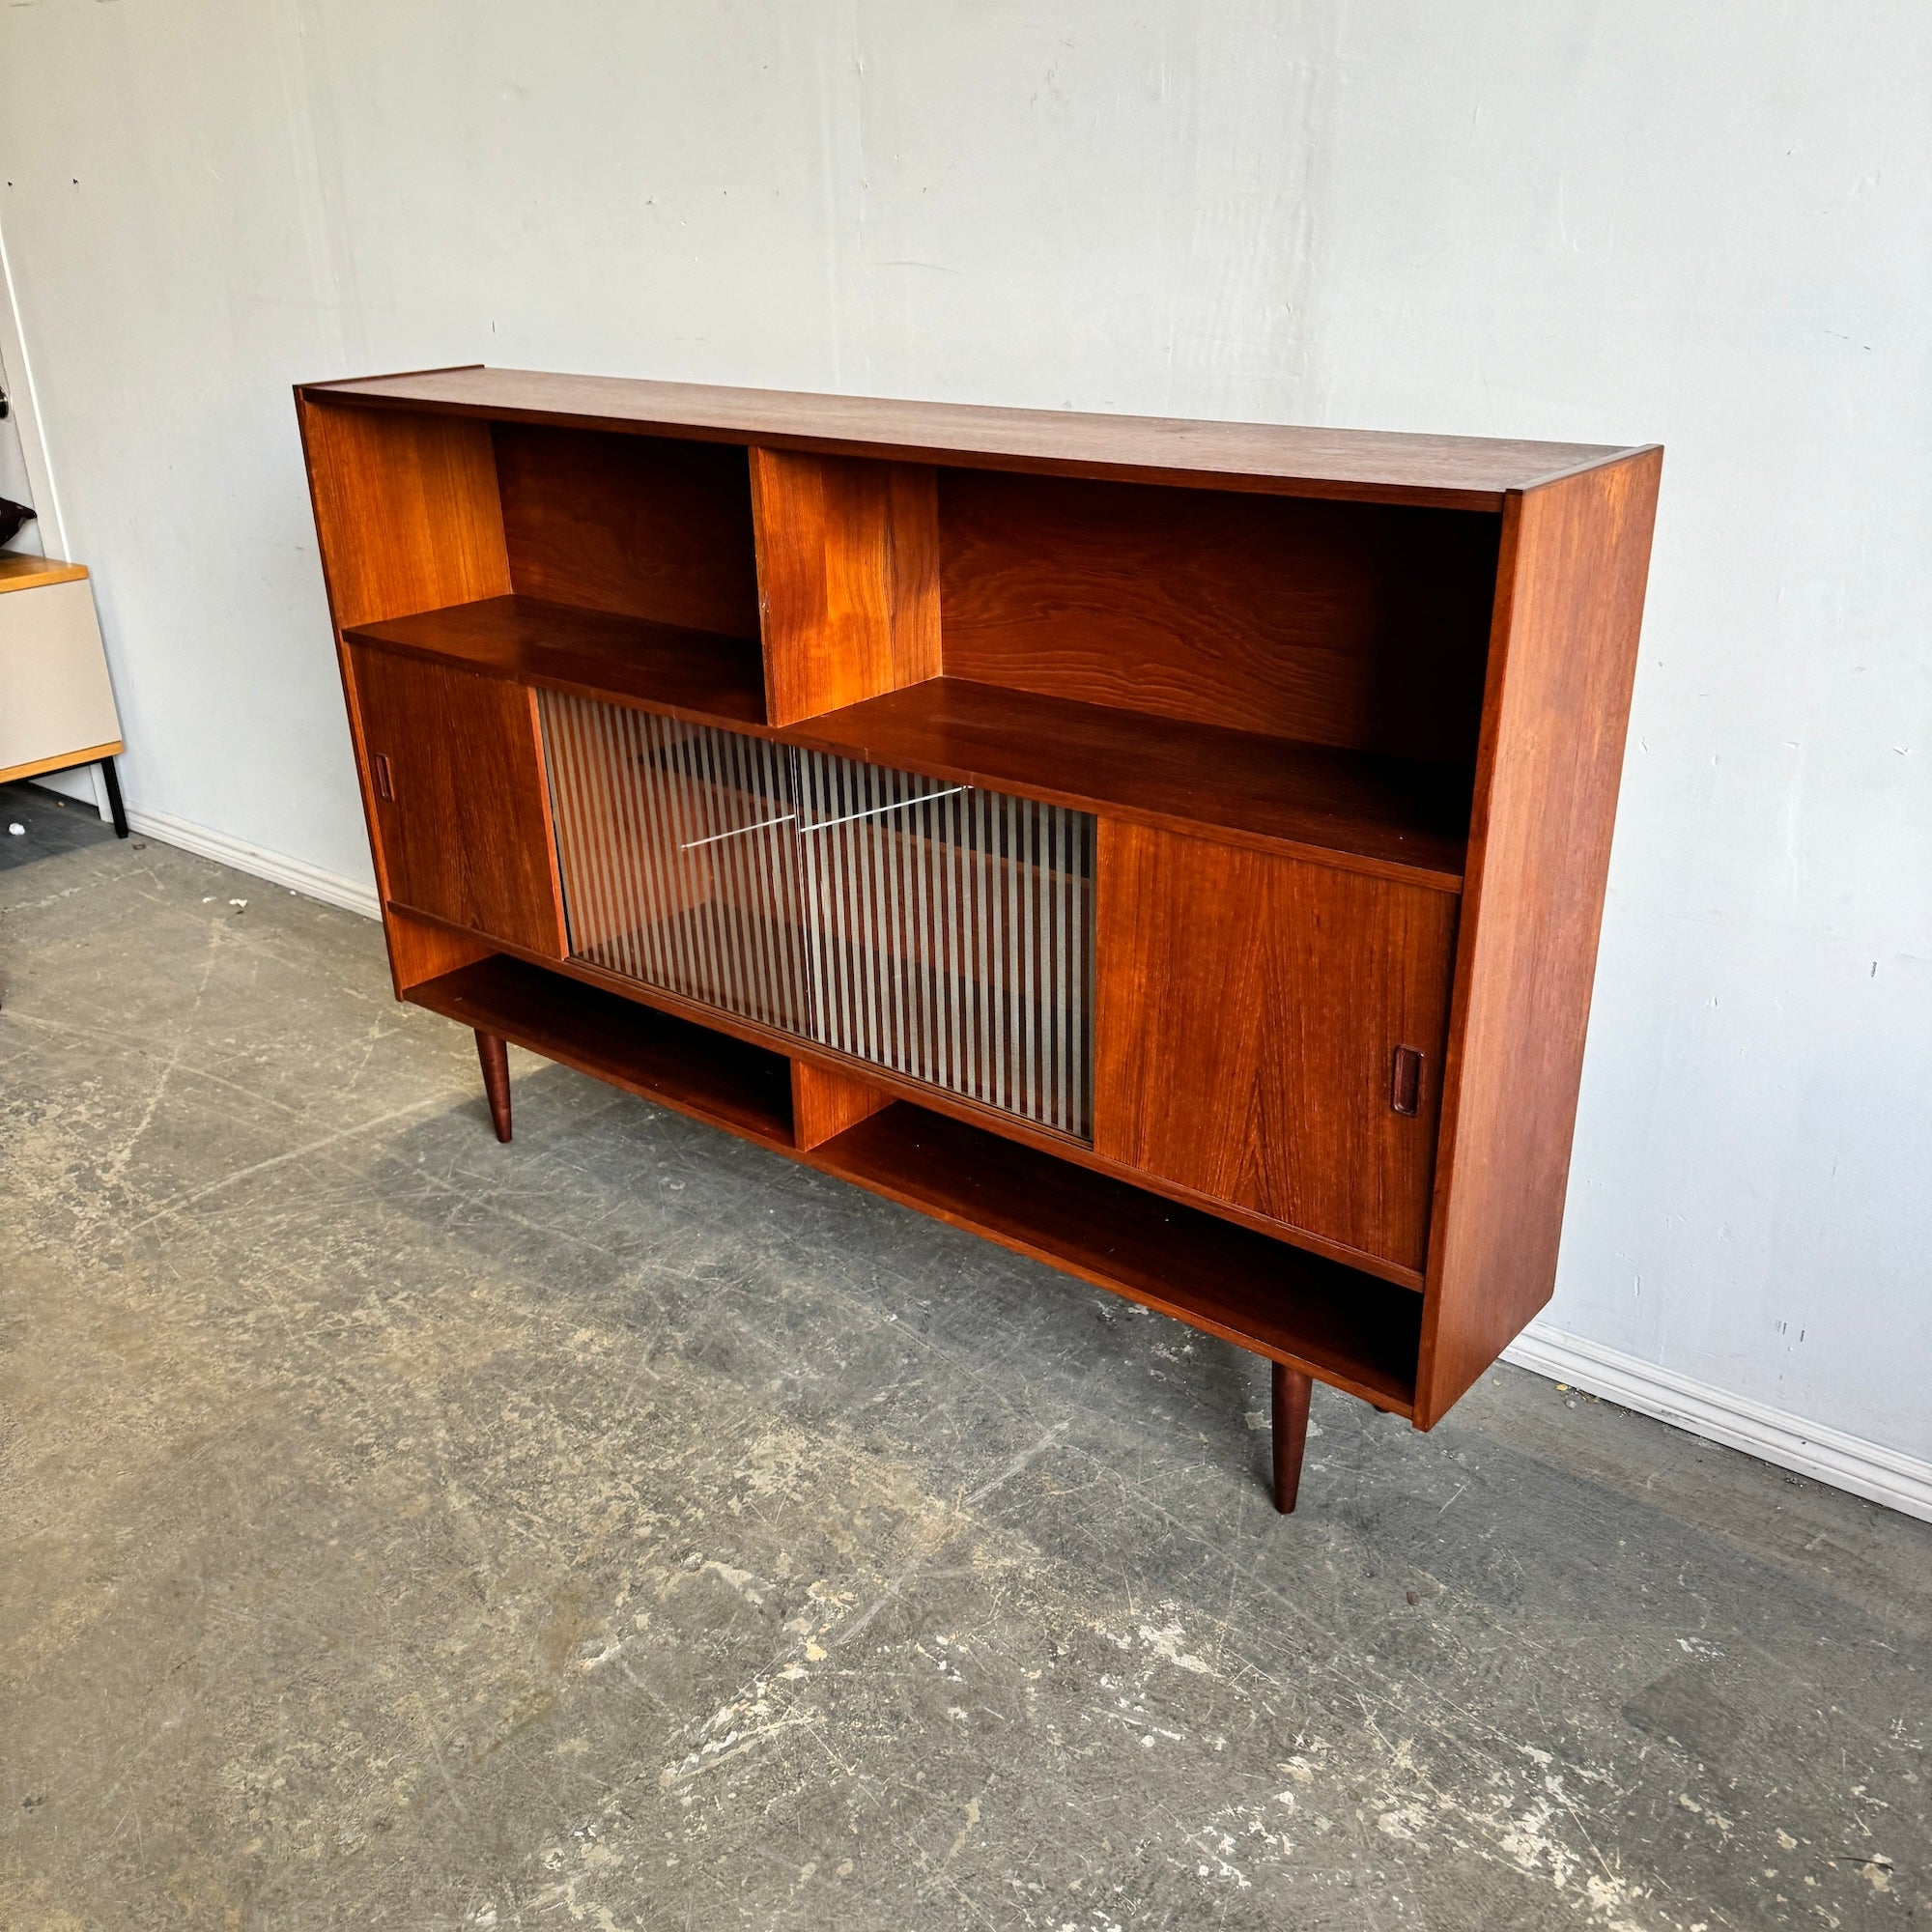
(825, 1103)
(1341, 624)
(406, 511)
(1373, 464)
(694, 674)
(407, 520)
(462, 813)
(848, 578)
(1371, 813)
(1249, 1013)
(645, 526)
(1576, 556)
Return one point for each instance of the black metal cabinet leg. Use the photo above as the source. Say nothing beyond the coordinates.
(116, 809)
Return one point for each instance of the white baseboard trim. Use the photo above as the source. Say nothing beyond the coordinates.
(1882, 1475)
(298, 874)
(1866, 1469)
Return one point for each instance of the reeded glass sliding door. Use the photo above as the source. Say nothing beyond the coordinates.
(943, 931)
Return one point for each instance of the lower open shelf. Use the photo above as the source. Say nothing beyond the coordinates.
(1388, 815)
(1346, 1327)
(683, 1065)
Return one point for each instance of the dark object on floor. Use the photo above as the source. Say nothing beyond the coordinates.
(13, 518)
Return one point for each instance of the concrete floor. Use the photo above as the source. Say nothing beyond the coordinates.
(628, 1528)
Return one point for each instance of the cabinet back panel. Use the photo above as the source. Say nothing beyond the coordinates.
(644, 525)
(1350, 624)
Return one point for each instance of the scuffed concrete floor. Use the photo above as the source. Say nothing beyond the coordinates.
(628, 1528)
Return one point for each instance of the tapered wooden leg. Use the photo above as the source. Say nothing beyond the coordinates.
(1291, 1433)
(494, 1055)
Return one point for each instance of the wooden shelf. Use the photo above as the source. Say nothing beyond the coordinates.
(1345, 1326)
(1389, 816)
(690, 1069)
(694, 674)
(1382, 815)
(1285, 714)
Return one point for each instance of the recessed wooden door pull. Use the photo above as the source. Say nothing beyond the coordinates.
(1405, 1083)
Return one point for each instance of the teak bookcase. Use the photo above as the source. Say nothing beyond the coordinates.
(1173, 850)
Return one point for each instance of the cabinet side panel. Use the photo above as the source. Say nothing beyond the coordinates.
(848, 578)
(407, 520)
(406, 511)
(1251, 1012)
(1569, 606)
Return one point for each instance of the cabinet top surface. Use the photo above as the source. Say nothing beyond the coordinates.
(19, 570)
(1461, 471)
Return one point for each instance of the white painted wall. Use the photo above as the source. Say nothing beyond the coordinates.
(1709, 226)
(14, 484)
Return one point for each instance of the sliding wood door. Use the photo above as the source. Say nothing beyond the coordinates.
(1270, 1033)
(462, 815)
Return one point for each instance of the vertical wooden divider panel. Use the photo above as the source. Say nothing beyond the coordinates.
(1569, 603)
(848, 578)
(408, 519)
(825, 1103)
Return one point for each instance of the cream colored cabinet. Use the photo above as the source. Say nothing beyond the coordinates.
(56, 704)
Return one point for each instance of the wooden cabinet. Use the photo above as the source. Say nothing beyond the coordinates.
(1173, 851)
(456, 783)
(1269, 1034)
(56, 706)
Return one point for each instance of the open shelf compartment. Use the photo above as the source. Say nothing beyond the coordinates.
(713, 1076)
(1346, 1327)
(1362, 809)
(694, 674)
